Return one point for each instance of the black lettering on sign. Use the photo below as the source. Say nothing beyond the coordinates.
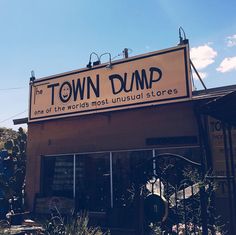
(78, 89)
(52, 93)
(119, 80)
(65, 92)
(141, 81)
(95, 88)
(153, 79)
(136, 82)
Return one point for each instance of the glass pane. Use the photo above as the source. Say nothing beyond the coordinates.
(93, 181)
(192, 154)
(127, 171)
(57, 177)
(176, 170)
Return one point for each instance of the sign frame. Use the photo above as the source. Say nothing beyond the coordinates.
(45, 80)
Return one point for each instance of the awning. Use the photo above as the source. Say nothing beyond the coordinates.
(222, 108)
(20, 121)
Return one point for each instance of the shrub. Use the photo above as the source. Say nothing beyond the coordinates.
(75, 225)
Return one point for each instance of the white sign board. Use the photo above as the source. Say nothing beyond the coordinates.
(150, 79)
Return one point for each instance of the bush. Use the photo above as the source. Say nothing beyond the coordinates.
(75, 225)
(12, 170)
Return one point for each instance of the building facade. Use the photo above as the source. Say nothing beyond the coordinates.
(89, 129)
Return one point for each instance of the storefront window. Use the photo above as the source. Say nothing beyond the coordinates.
(100, 181)
(92, 181)
(127, 171)
(175, 169)
(191, 153)
(57, 177)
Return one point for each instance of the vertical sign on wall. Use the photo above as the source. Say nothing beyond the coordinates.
(218, 152)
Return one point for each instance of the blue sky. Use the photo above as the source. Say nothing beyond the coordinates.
(55, 36)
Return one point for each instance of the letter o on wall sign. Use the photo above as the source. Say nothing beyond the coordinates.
(65, 92)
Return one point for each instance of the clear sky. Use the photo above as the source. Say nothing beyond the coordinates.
(54, 36)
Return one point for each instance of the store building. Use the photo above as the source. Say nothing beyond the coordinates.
(88, 129)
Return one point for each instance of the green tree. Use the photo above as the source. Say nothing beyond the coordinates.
(6, 134)
(13, 161)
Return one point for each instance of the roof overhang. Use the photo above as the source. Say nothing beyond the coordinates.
(222, 108)
(20, 121)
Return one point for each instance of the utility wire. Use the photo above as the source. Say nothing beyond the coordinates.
(12, 88)
(13, 116)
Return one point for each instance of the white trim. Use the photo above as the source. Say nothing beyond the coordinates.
(74, 175)
(123, 150)
(111, 179)
(154, 161)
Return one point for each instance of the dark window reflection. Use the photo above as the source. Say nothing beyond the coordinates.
(93, 182)
(175, 169)
(92, 175)
(57, 177)
(190, 153)
(128, 171)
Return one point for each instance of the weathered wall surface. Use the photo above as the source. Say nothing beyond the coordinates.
(118, 130)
